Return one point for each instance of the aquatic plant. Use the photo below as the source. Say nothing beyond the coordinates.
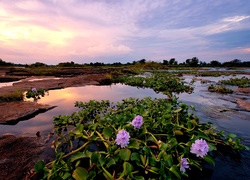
(241, 82)
(158, 81)
(220, 89)
(35, 93)
(100, 141)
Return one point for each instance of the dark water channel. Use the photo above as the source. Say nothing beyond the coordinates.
(219, 109)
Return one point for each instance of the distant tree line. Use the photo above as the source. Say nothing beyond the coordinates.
(192, 62)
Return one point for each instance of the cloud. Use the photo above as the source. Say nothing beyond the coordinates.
(114, 30)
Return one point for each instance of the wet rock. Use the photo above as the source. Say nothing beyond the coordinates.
(242, 90)
(12, 112)
(243, 104)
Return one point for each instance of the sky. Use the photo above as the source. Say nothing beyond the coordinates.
(108, 31)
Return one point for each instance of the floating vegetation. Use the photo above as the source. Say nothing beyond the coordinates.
(220, 89)
(35, 93)
(159, 82)
(241, 82)
(133, 139)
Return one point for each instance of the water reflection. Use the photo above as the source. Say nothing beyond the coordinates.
(64, 99)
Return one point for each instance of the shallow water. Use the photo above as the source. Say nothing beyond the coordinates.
(213, 107)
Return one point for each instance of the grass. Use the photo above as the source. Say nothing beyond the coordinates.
(16, 95)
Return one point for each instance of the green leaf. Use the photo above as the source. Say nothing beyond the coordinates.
(211, 147)
(95, 157)
(127, 169)
(80, 173)
(78, 155)
(231, 135)
(107, 132)
(124, 154)
(66, 175)
(147, 150)
(209, 159)
(133, 144)
(175, 171)
(135, 157)
(163, 146)
(110, 162)
(39, 166)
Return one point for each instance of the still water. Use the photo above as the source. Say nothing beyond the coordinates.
(219, 109)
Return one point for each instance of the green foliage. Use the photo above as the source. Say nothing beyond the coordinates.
(220, 89)
(37, 94)
(86, 147)
(16, 95)
(241, 82)
(159, 82)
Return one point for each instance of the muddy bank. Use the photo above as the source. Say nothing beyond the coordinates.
(18, 155)
(52, 82)
(12, 112)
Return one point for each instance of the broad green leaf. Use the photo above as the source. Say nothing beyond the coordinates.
(80, 173)
(135, 157)
(124, 154)
(168, 159)
(78, 155)
(110, 162)
(107, 132)
(39, 166)
(95, 157)
(133, 144)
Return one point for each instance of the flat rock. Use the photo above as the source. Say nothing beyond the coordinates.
(243, 104)
(15, 111)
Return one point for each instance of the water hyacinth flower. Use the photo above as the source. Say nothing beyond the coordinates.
(184, 165)
(137, 121)
(34, 90)
(122, 138)
(200, 148)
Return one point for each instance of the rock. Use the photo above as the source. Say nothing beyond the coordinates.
(12, 112)
(243, 104)
(18, 156)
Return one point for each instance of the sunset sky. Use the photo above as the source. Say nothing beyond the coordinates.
(84, 31)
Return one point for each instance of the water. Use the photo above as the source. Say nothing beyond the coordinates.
(219, 109)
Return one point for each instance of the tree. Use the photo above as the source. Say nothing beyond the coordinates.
(172, 61)
(193, 62)
(165, 62)
(215, 63)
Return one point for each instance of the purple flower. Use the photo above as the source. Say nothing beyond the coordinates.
(122, 138)
(199, 147)
(137, 121)
(34, 90)
(184, 165)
